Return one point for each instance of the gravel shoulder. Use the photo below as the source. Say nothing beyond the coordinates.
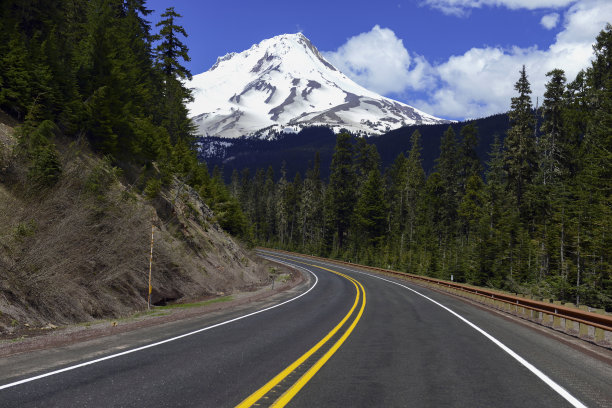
(26, 339)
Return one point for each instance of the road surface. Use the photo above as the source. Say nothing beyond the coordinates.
(346, 338)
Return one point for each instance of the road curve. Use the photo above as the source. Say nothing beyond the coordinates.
(391, 347)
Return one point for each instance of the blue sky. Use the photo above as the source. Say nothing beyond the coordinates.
(453, 58)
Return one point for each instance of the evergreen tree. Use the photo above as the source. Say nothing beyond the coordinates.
(282, 206)
(396, 194)
(311, 207)
(414, 186)
(448, 167)
(520, 154)
(169, 51)
(270, 205)
(370, 213)
(341, 190)
(469, 163)
(552, 146)
(366, 160)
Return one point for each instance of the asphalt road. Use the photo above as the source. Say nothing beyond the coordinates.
(350, 341)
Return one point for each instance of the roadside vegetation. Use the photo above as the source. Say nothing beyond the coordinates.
(95, 146)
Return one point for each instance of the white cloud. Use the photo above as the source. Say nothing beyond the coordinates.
(549, 21)
(479, 82)
(379, 61)
(462, 7)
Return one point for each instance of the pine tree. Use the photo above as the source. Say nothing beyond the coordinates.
(171, 49)
(396, 194)
(311, 208)
(520, 154)
(469, 162)
(370, 213)
(294, 197)
(270, 205)
(366, 159)
(552, 146)
(169, 52)
(282, 206)
(341, 189)
(448, 167)
(414, 185)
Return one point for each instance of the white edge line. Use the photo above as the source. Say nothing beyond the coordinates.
(74, 367)
(551, 383)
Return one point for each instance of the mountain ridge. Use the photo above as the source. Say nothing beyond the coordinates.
(298, 151)
(285, 84)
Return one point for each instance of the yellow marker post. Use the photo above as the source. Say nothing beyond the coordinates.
(150, 267)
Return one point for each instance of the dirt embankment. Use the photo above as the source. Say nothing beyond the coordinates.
(80, 250)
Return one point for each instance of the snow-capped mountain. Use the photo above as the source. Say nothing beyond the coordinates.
(283, 84)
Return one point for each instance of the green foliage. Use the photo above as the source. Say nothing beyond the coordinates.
(25, 229)
(370, 213)
(101, 177)
(35, 145)
(45, 169)
(341, 191)
(152, 188)
(171, 48)
(520, 153)
(90, 67)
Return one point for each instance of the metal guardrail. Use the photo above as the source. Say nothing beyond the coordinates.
(585, 324)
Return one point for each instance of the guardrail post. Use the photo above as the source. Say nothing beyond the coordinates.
(556, 322)
(600, 334)
(583, 330)
(569, 325)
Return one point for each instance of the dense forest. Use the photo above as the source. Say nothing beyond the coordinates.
(297, 149)
(536, 221)
(96, 70)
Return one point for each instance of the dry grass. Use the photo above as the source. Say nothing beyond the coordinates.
(81, 250)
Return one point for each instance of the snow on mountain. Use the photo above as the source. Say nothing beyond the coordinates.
(284, 84)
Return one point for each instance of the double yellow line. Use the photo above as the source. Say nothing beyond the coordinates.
(281, 401)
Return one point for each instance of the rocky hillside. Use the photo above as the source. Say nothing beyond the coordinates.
(80, 250)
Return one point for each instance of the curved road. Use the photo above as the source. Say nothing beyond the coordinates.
(346, 338)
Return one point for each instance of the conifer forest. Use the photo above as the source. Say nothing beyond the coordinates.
(99, 71)
(535, 218)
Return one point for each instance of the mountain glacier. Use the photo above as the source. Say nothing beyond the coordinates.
(284, 84)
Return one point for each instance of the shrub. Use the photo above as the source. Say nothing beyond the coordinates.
(101, 177)
(45, 168)
(153, 188)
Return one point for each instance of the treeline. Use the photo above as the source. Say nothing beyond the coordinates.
(96, 70)
(538, 220)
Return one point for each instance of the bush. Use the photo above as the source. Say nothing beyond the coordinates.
(101, 177)
(45, 169)
(25, 229)
(153, 188)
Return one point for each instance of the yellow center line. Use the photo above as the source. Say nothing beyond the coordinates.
(301, 382)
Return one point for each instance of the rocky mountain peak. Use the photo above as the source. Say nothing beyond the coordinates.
(285, 83)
